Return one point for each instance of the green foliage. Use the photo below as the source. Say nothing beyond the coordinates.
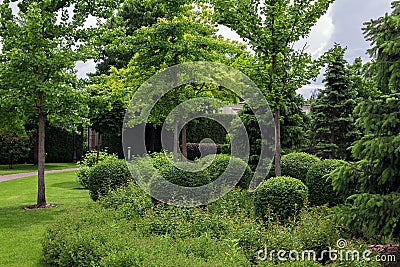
(179, 176)
(383, 33)
(373, 181)
(95, 237)
(14, 146)
(333, 128)
(220, 164)
(201, 128)
(320, 190)
(282, 196)
(128, 201)
(298, 164)
(116, 50)
(107, 175)
(60, 144)
(87, 162)
(272, 30)
(369, 215)
(172, 236)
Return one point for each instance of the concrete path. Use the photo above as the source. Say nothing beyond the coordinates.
(8, 177)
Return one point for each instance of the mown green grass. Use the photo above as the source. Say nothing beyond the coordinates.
(21, 231)
(21, 168)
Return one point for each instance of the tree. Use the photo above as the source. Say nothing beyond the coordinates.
(372, 184)
(39, 54)
(186, 33)
(383, 33)
(14, 146)
(332, 113)
(271, 28)
(113, 41)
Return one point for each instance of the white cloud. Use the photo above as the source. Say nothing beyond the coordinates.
(84, 68)
(318, 40)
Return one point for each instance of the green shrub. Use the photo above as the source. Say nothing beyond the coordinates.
(94, 237)
(107, 175)
(128, 202)
(283, 196)
(235, 201)
(219, 165)
(88, 161)
(159, 159)
(372, 216)
(177, 175)
(320, 190)
(296, 165)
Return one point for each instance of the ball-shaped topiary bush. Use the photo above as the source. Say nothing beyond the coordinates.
(89, 160)
(282, 196)
(177, 174)
(221, 162)
(107, 175)
(297, 165)
(319, 185)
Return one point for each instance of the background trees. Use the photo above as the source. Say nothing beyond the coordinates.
(383, 33)
(333, 129)
(373, 182)
(271, 28)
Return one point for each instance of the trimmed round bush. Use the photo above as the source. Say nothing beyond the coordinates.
(297, 164)
(283, 196)
(177, 175)
(88, 161)
(319, 185)
(107, 175)
(219, 165)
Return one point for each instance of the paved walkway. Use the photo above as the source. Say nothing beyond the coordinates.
(8, 177)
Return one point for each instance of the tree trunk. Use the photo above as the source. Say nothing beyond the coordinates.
(41, 198)
(184, 142)
(74, 159)
(278, 142)
(35, 150)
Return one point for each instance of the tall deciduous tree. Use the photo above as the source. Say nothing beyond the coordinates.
(185, 33)
(40, 47)
(113, 40)
(332, 113)
(271, 27)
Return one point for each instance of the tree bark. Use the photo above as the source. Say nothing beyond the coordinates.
(278, 171)
(184, 142)
(35, 150)
(41, 198)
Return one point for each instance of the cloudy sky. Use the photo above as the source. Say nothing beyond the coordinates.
(343, 24)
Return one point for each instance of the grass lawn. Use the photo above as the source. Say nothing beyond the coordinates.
(21, 168)
(21, 230)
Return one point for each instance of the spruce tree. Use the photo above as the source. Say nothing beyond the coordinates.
(373, 182)
(333, 128)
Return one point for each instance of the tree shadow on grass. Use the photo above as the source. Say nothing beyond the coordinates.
(71, 185)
